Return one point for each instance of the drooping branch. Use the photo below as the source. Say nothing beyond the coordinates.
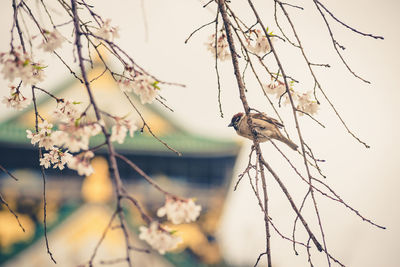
(241, 86)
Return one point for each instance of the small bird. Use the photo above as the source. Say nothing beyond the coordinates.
(265, 128)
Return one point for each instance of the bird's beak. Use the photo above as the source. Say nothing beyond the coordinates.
(230, 124)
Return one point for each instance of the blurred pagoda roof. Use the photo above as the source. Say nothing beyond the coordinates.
(204, 170)
(111, 99)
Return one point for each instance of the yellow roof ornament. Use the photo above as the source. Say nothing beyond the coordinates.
(97, 188)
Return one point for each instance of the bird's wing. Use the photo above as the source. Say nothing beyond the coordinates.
(264, 117)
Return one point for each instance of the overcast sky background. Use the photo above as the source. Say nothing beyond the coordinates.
(368, 179)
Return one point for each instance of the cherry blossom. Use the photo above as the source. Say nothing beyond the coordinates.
(54, 41)
(179, 211)
(260, 45)
(108, 32)
(44, 137)
(159, 239)
(16, 99)
(66, 111)
(142, 85)
(75, 136)
(18, 64)
(306, 104)
(222, 49)
(81, 163)
(119, 130)
(10, 70)
(303, 101)
(56, 157)
(275, 88)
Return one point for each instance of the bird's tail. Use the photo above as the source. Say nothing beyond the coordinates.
(289, 143)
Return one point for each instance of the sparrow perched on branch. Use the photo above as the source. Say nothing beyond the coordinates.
(265, 128)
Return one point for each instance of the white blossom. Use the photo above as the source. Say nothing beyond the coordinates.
(302, 101)
(75, 136)
(306, 104)
(120, 129)
(158, 239)
(66, 111)
(16, 99)
(10, 70)
(34, 137)
(54, 41)
(260, 45)
(222, 48)
(275, 88)
(17, 64)
(108, 32)
(56, 157)
(44, 137)
(81, 163)
(45, 161)
(126, 85)
(142, 85)
(179, 211)
(33, 74)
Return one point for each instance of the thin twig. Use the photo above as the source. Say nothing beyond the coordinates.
(347, 26)
(8, 173)
(44, 180)
(12, 212)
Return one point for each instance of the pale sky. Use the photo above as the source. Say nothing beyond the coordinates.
(365, 178)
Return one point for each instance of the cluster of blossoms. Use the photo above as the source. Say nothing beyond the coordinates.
(72, 134)
(66, 111)
(180, 211)
(45, 138)
(76, 136)
(142, 85)
(221, 50)
(276, 88)
(81, 163)
(57, 157)
(19, 65)
(120, 128)
(257, 43)
(107, 32)
(158, 238)
(53, 41)
(305, 103)
(177, 211)
(70, 137)
(16, 99)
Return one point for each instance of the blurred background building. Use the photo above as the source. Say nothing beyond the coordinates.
(79, 208)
